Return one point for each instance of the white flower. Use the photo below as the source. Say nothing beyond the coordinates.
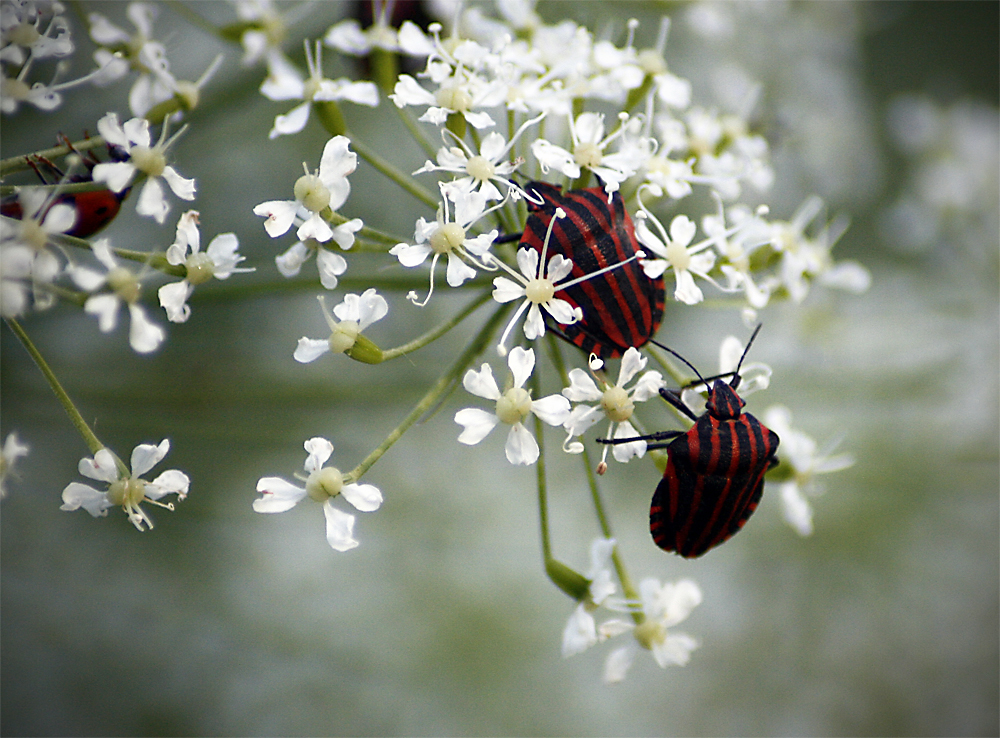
(663, 606)
(12, 450)
(674, 253)
(126, 491)
(349, 38)
(134, 138)
(614, 402)
(219, 261)
(144, 336)
(329, 263)
(483, 171)
(580, 632)
(589, 142)
(123, 51)
(460, 87)
(513, 407)
(451, 237)
(285, 83)
(28, 263)
(805, 461)
(34, 31)
(314, 193)
(356, 313)
(754, 376)
(322, 484)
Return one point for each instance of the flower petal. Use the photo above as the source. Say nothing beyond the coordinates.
(521, 447)
(478, 424)
(278, 495)
(364, 497)
(339, 528)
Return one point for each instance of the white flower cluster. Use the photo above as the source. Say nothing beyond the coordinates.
(526, 113)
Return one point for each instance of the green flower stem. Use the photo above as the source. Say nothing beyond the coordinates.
(372, 234)
(396, 175)
(20, 163)
(438, 331)
(418, 134)
(565, 578)
(93, 443)
(434, 394)
(595, 495)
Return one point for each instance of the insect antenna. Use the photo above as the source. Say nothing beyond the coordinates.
(686, 362)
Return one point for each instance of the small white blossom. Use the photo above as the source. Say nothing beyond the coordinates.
(674, 252)
(480, 172)
(126, 491)
(349, 38)
(284, 82)
(805, 460)
(314, 193)
(12, 450)
(28, 262)
(663, 606)
(451, 237)
(614, 402)
(589, 143)
(219, 260)
(122, 51)
(322, 484)
(355, 314)
(580, 632)
(143, 157)
(513, 407)
(125, 287)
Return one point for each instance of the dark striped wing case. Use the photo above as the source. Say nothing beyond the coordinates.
(622, 307)
(712, 483)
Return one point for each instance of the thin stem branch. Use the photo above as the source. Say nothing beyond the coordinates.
(93, 443)
(434, 394)
(438, 331)
(396, 175)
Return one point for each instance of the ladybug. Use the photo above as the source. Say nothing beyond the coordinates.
(94, 208)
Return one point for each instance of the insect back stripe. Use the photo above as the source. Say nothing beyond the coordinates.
(615, 302)
(735, 482)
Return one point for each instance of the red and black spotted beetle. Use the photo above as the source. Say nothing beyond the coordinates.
(622, 307)
(715, 470)
(94, 208)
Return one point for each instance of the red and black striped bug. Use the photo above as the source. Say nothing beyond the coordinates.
(94, 208)
(622, 307)
(715, 470)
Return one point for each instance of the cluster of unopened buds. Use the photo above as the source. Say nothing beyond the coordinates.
(544, 143)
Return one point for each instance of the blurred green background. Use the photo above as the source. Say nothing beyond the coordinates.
(222, 621)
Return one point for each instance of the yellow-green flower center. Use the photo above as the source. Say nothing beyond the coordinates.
(479, 168)
(650, 633)
(453, 98)
(324, 483)
(124, 284)
(24, 34)
(200, 268)
(127, 492)
(148, 160)
(539, 291)
(448, 237)
(311, 192)
(617, 405)
(344, 335)
(587, 155)
(514, 405)
(678, 256)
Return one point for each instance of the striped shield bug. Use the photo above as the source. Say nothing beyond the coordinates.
(715, 470)
(622, 307)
